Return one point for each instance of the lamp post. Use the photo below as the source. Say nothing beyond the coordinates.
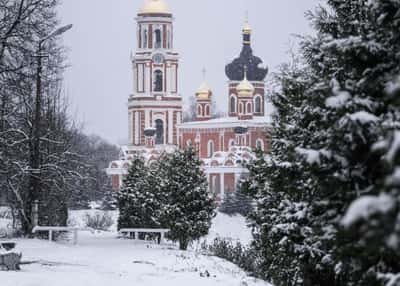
(35, 157)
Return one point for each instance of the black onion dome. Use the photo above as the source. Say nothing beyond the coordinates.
(255, 71)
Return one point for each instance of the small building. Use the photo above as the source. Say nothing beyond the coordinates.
(225, 144)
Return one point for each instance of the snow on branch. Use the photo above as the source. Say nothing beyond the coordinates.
(365, 207)
(313, 156)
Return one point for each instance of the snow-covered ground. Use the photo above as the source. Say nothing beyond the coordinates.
(102, 259)
(223, 226)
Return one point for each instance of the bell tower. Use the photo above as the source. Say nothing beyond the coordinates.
(155, 102)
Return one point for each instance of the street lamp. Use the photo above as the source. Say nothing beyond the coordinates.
(35, 158)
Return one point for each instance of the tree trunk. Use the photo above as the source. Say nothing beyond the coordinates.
(183, 243)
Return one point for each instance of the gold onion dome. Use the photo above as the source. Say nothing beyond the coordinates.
(155, 7)
(204, 92)
(245, 88)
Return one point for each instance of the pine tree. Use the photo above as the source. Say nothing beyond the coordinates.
(138, 200)
(331, 119)
(190, 207)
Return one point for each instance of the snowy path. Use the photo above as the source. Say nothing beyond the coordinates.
(103, 260)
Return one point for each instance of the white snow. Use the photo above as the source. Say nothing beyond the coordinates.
(366, 206)
(393, 87)
(338, 100)
(394, 179)
(312, 156)
(395, 147)
(363, 117)
(233, 228)
(103, 260)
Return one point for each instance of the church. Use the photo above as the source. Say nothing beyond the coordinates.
(155, 117)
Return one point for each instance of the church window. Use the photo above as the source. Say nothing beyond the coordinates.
(249, 108)
(257, 104)
(199, 110)
(233, 104)
(157, 34)
(145, 39)
(210, 149)
(169, 38)
(158, 81)
(207, 110)
(159, 132)
(241, 108)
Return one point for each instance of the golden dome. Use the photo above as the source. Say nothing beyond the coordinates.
(247, 29)
(204, 92)
(245, 88)
(155, 7)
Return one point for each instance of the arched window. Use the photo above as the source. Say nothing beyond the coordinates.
(257, 104)
(145, 39)
(169, 38)
(260, 144)
(207, 111)
(158, 81)
(249, 108)
(157, 36)
(241, 108)
(210, 149)
(199, 110)
(233, 104)
(159, 132)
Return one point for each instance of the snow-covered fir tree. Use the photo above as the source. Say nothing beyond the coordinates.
(332, 117)
(139, 203)
(190, 206)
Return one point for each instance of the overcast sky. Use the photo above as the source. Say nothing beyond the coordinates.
(207, 35)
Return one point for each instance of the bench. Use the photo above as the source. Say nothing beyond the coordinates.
(9, 260)
(51, 229)
(136, 231)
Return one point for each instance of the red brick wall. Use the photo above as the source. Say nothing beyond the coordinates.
(219, 145)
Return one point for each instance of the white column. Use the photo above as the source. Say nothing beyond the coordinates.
(168, 80)
(130, 126)
(237, 179)
(147, 79)
(147, 118)
(222, 178)
(170, 127)
(137, 126)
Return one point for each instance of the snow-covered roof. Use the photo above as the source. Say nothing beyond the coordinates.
(237, 156)
(227, 122)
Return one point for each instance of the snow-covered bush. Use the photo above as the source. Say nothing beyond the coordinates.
(244, 257)
(99, 221)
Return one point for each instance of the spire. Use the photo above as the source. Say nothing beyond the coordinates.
(247, 31)
(204, 92)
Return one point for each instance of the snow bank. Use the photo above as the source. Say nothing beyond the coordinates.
(232, 228)
(104, 260)
(366, 206)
